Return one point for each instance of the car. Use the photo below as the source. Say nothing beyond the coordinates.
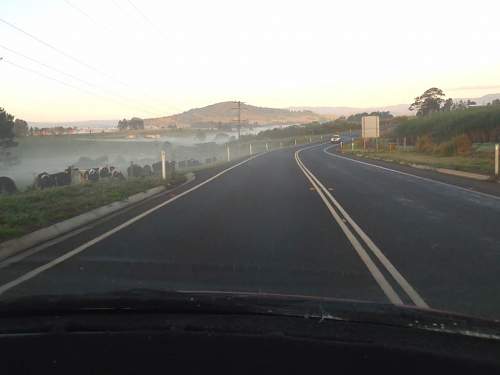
(335, 138)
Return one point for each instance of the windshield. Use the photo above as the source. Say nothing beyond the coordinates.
(347, 150)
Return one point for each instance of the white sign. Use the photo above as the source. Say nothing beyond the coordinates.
(370, 127)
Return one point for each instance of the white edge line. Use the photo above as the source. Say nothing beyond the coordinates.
(377, 275)
(411, 175)
(405, 285)
(31, 274)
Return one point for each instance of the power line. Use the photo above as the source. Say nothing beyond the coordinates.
(67, 84)
(54, 48)
(70, 75)
(87, 15)
(61, 52)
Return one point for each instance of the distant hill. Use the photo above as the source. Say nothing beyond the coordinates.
(101, 124)
(397, 110)
(225, 113)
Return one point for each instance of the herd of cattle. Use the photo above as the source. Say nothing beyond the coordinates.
(75, 176)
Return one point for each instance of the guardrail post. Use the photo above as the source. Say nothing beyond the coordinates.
(250, 148)
(295, 141)
(163, 166)
(310, 141)
(228, 154)
(267, 147)
(497, 151)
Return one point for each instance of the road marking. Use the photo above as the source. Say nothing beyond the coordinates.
(33, 273)
(17, 258)
(325, 150)
(377, 275)
(403, 283)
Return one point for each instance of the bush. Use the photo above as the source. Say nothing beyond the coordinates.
(445, 149)
(463, 145)
(425, 144)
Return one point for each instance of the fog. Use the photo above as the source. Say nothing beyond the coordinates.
(55, 153)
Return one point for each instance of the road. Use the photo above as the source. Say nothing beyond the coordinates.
(302, 220)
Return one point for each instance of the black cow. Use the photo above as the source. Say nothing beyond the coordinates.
(135, 170)
(93, 175)
(116, 174)
(44, 180)
(7, 186)
(104, 172)
(147, 170)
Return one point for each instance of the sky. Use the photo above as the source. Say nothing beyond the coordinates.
(109, 59)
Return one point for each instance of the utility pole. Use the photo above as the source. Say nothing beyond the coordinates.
(238, 108)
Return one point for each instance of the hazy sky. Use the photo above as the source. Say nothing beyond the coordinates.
(121, 58)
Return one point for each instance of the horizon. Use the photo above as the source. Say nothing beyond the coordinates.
(174, 58)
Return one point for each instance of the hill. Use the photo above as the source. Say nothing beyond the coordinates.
(225, 113)
(397, 110)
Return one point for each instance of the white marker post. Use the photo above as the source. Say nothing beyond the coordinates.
(497, 151)
(267, 147)
(310, 141)
(281, 144)
(163, 166)
(295, 142)
(228, 154)
(352, 144)
(321, 137)
(250, 148)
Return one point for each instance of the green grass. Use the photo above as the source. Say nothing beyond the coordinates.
(34, 209)
(482, 165)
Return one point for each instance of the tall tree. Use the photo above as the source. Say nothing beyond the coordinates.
(447, 105)
(6, 136)
(21, 128)
(429, 102)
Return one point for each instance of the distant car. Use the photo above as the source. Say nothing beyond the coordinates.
(335, 138)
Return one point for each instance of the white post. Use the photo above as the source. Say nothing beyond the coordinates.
(267, 147)
(281, 144)
(295, 142)
(250, 148)
(404, 144)
(497, 149)
(310, 140)
(341, 145)
(228, 154)
(321, 137)
(163, 166)
(352, 145)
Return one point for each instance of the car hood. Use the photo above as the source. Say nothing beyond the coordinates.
(244, 303)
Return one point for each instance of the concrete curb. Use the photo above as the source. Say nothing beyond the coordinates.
(17, 245)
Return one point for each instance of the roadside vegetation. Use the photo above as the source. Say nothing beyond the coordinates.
(33, 209)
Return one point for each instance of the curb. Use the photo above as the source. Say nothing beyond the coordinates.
(17, 245)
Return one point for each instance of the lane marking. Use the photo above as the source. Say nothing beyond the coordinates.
(33, 273)
(403, 283)
(375, 272)
(325, 150)
(17, 258)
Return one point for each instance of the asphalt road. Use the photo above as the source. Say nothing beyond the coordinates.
(297, 221)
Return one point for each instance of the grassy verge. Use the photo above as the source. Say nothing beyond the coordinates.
(482, 165)
(31, 210)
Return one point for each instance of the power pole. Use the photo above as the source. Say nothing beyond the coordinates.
(238, 108)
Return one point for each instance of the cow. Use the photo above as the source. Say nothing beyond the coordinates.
(116, 174)
(104, 172)
(147, 171)
(7, 186)
(44, 181)
(135, 170)
(93, 175)
(62, 178)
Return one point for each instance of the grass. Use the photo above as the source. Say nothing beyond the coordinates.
(34, 209)
(482, 165)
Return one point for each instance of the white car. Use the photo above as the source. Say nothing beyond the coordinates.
(335, 138)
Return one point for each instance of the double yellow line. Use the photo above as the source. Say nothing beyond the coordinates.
(350, 229)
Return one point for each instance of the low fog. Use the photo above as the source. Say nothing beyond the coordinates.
(53, 154)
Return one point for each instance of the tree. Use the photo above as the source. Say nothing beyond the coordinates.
(448, 105)
(495, 102)
(21, 128)
(132, 124)
(429, 102)
(6, 136)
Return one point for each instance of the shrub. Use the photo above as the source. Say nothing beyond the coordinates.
(424, 144)
(445, 149)
(463, 145)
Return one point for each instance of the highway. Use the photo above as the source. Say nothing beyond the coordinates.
(303, 220)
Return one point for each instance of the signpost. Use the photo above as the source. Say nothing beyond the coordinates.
(370, 127)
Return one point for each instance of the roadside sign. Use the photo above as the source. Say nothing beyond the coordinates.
(370, 127)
